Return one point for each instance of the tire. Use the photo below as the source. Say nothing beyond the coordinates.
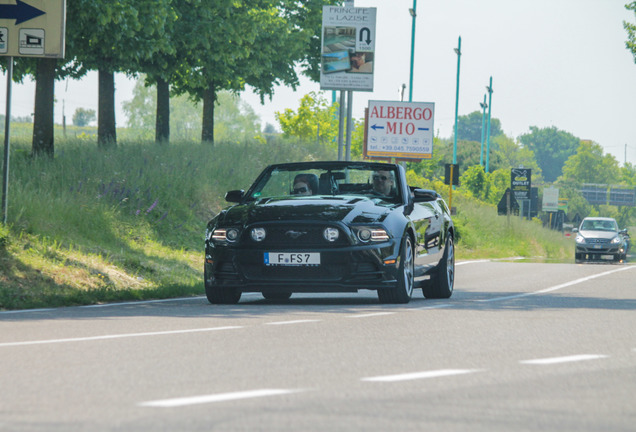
(277, 295)
(220, 294)
(404, 289)
(442, 281)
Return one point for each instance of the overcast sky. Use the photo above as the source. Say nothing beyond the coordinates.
(559, 63)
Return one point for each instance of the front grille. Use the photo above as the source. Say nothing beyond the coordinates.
(295, 236)
(331, 272)
(597, 241)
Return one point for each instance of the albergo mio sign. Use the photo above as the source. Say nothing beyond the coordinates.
(401, 130)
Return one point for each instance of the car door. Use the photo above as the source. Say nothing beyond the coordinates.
(427, 221)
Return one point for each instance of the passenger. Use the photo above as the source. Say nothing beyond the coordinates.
(305, 184)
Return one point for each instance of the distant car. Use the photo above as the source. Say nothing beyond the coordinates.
(598, 239)
(332, 232)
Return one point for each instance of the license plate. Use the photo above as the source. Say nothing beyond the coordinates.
(597, 246)
(607, 257)
(292, 258)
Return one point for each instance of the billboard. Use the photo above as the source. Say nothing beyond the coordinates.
(401, 130)
(348, 48)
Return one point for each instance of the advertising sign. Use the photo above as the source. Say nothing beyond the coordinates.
(400, 130)
(520, 182)
(32, 28)
(550, 200)
(348, 48)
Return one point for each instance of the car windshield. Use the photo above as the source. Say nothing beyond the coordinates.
(599, 225)
(376, 182)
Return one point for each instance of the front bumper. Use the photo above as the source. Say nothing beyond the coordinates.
(343, 269)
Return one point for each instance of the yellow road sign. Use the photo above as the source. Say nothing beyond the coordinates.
(32, 28)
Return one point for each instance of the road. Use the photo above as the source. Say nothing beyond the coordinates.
(519, 347)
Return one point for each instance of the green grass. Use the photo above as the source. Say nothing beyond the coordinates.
(92, 226)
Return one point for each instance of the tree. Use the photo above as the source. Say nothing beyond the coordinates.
(469, 127)
(630, 44)
(83, 117)
(551, 147)
(314, 119)
(590, 165)
(257, 43)
(111, 37)
(510, 155)
(235, 120)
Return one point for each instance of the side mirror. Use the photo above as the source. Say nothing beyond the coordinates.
(623, 231)
(424, 195)
(234, 196)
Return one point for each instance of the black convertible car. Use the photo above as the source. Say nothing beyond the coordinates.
(330, 227)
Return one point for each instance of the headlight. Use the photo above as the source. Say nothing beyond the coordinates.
(331, 234)
(616, 240)
(258, 234)
(580, 239)
(372, 234)
(225, 234)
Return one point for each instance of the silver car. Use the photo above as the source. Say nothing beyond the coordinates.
(599, 239)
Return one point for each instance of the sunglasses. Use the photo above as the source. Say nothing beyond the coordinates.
(377, 177)
(300, 190)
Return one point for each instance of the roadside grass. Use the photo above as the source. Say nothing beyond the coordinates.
(91, 226)
(484, 234)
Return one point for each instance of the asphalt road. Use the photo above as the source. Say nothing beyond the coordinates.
(519, 347)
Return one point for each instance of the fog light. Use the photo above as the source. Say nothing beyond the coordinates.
(331, 234)
(258, 234)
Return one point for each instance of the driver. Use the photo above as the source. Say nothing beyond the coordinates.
(383, 182)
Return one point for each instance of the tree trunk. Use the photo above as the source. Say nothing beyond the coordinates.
(207, 129)
(44, 102)
(106, 129)
(162, 126)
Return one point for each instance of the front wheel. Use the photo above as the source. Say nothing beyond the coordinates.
(442, 281)
(219, 294)
(404, 289)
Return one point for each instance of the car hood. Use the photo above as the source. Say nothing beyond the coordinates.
(348, 210)
(598, 234)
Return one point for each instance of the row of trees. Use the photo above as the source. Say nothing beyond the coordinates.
(193, 47)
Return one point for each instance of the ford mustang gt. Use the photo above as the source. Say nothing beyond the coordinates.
(330, 227)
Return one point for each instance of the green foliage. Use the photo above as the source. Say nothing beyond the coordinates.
(83, 117)
(469, 127)
(590, 165)
(630, 44)
(551, 147)
(473, 180)
(234, 119)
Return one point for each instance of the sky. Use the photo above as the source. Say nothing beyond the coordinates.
(560, 63)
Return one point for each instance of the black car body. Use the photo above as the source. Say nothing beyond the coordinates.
(344, 237)
(598, 239)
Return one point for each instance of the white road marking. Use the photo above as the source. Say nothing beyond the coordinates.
(419, 375)
(118, 336)
(25, 311)
(439, 306)
(221, 397)
(292, 322)
(557, 287)
(567, 359)
(374, 314)
(142, 302)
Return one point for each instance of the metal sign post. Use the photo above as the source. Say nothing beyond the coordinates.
(7, 127)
